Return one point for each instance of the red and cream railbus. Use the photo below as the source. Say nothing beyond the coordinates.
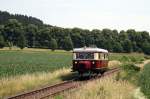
(93, 60)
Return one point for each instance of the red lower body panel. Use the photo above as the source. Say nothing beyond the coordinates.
(89, 65)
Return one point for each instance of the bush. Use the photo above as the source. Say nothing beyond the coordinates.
(131, 72)
(21, 41)
(147, 57)
(146, 48)
(67, 44)
(124, 59)
(144, 80)
(136, 59)
(53, 44)
(131, 68)
(133, 59)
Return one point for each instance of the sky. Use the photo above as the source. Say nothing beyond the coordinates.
(86, 14)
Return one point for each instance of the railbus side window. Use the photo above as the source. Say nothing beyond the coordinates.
(96, 56)
(106, 56)
(101, 56)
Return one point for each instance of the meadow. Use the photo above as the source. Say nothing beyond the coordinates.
(29, 61)
(17, 62)
(128, 57)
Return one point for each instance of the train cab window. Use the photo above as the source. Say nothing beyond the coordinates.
(84, 55)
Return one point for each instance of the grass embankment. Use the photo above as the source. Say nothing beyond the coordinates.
(144, 80)
(106, 88)
(13, 85)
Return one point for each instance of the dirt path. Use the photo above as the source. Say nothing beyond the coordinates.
(144, 63)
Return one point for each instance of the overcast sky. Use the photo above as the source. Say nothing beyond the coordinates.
(87, 14)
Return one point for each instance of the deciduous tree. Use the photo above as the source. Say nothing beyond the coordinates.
(53, 44)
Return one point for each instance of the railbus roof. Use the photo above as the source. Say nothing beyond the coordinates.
(89, 49)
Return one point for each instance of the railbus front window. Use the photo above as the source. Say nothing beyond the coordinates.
(85, 55)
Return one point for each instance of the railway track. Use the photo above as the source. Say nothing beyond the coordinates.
(55, 89)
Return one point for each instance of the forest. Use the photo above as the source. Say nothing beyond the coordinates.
(26, 31)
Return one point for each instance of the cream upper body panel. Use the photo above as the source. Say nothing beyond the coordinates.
(96, 53)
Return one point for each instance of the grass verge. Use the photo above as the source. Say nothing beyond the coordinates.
(106, 88)
(17, 84)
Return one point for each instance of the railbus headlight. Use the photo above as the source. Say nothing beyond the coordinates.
(75, 62)
(93, 62)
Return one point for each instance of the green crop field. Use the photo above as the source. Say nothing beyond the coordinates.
(22, 62)
(17, 62)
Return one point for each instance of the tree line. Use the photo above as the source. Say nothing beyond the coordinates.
(35, 34)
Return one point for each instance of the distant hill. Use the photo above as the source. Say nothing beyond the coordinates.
(4, 16)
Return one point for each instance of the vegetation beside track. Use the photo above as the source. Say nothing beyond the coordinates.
(122, 85)
(144, 80)
(17, 84)
(106, 88)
